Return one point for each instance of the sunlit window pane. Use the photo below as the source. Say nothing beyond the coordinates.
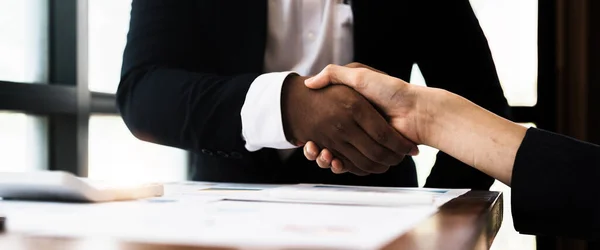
(23, 47)
(511, 29)
(108, 26)
(23, 143)
(115, 154)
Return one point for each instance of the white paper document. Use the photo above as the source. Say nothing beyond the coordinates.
(225, 214)
(364, 195)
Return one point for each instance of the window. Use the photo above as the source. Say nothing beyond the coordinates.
(511, 29)
(513, 43)
(23, 25)
(23, 146)
(114, 153)
(108, 26)
(24, 59)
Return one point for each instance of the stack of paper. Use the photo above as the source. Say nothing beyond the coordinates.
(240, 215)
(361, 195)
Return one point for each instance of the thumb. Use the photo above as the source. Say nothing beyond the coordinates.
(360, 65)
(361, 80)
(332, 74)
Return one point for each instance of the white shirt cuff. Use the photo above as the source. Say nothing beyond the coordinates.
(262, 126)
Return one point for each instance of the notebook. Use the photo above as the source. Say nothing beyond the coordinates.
(64, 186)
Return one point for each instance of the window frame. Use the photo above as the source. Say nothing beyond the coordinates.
(65, 98)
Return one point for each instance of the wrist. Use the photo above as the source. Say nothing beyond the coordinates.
(290, 94)
(433, 105)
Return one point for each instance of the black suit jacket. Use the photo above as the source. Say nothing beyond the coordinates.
(554, 186)
(188, 65)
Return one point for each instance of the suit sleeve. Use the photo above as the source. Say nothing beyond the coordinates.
(554, 186)
(453, 54)
(170, 91)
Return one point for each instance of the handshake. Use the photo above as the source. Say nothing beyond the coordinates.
(364, 122)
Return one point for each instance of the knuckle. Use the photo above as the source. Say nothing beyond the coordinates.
(351, 105)
(358, 115)
(379, 154)
(360, 84)
(339, 127)
(362, 71)
(367, 165)
(354, 65)
(327, 142)
(359, 78)
(382, 136)
(329, 68)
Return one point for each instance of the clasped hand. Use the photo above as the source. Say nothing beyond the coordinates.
(354, 135)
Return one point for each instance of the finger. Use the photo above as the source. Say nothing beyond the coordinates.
(354, 170)
(311, 151)
(382, 132)
(372, 149)
(346, 165)
(343, 165)
(324, 159)
(361, 161)
(337, 166)
(330, 74)
(360, 65)
(340, 75)
(360, 79)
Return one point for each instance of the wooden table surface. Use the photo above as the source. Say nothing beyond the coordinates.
(470, 221)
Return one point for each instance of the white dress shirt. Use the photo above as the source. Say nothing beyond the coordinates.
(303, 36)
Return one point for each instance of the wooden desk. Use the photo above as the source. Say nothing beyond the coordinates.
(470, 221)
